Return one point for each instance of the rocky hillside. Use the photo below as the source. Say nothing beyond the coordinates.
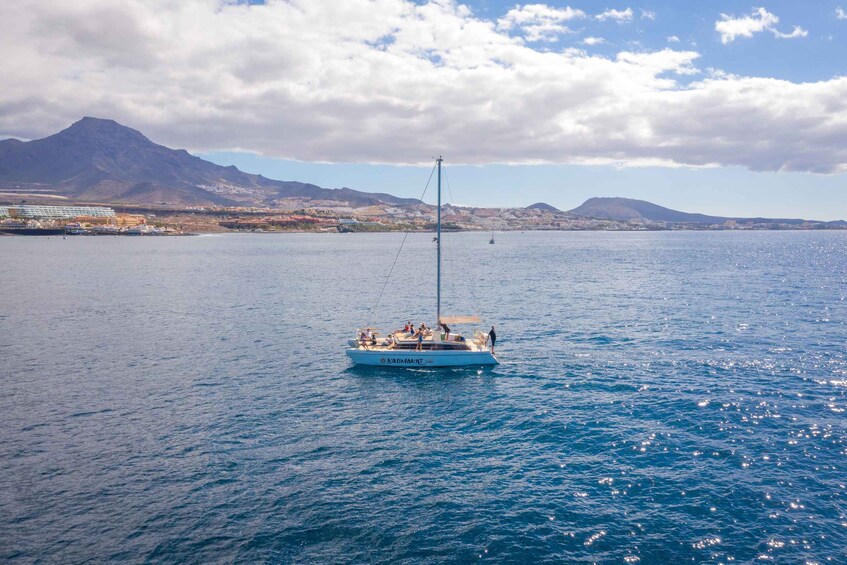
(623, 209)
(100, 160)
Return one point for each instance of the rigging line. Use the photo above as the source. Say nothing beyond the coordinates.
(450, 246)
(447, 249)
(391, 270)
(453, 292)
(474, 300)
(447, 182)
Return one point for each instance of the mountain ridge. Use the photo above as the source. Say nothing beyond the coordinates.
(626, 209)
(102, 160)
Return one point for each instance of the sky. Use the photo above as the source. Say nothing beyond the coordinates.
(720, 107)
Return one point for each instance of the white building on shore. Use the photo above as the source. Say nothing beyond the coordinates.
(56, 212)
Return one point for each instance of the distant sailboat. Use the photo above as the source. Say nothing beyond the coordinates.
(491, 241)
(424, 347)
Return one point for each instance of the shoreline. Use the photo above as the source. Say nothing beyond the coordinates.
(195, 233)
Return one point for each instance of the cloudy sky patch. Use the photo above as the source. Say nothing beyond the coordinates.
(730, 28)
(391, 81)
(616, 15)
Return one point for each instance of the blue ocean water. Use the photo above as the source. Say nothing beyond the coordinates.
(662, 397)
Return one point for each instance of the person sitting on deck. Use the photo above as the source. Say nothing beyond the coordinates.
(410, 328)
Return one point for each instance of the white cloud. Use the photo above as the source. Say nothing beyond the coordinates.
(730, 27)
(593, 41)
(798, 32)
(539, 22)
(840, 14)
(619, 16)
(393, 81)
(673, 39)
(647, 14)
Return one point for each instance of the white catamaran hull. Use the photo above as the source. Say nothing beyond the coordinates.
(438, 358)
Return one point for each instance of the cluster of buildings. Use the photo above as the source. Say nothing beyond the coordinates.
(423, 217)
(75, 220)
(418, 217)
(32, 212)
(317, 222)
(338, 216)
(271, 222)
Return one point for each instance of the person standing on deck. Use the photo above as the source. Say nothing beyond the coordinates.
(492, 335)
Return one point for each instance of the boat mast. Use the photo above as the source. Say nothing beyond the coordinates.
(438, 248)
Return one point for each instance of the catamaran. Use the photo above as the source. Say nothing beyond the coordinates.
(424, 347)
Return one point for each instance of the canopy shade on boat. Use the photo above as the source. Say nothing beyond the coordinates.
(460, 319)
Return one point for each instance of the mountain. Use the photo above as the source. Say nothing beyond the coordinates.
(543, 206)
(623, 209)
(100, 160)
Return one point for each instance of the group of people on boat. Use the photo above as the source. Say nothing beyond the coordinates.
(409, 328)
(368, 337)
(419, 334)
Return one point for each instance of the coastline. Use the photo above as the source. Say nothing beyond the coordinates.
(179, 220)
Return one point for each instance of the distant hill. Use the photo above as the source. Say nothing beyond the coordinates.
(543, 206)
(103, 161)
(623, 209)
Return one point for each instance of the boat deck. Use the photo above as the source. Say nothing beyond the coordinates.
(400, 341)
